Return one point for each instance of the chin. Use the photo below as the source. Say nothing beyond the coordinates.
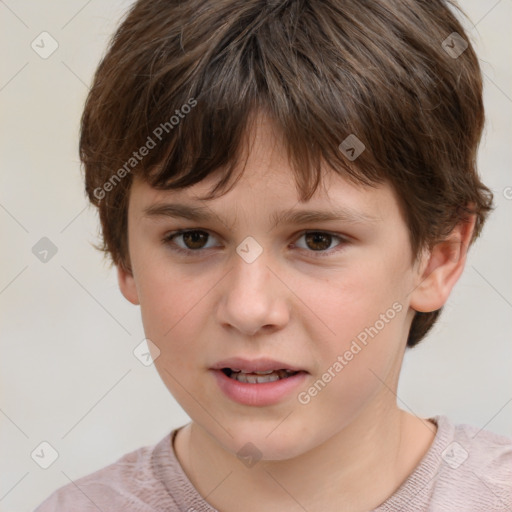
(253, 443)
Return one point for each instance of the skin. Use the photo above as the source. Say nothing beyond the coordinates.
(350, 444)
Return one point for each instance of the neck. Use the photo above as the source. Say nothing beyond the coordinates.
(360, 466)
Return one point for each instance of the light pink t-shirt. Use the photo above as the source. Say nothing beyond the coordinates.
(466, 469)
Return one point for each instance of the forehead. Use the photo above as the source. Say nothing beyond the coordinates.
(268, 184)
(270, 204)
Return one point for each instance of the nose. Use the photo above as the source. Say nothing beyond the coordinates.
(254, 297)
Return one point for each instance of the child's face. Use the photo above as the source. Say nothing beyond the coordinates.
(290, 304)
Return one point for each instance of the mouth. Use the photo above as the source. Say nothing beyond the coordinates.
(260, 377)
(259, 382)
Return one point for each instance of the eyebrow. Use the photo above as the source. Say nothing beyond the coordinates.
(289, 216)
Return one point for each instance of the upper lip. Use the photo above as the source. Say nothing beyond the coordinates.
(255, 365)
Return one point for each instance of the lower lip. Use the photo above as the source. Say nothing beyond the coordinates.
(268, 393)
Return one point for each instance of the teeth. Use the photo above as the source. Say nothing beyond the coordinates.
(267, 372)
(253, 378)
(260, 377)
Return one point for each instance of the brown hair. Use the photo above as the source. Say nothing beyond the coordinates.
(174, 95)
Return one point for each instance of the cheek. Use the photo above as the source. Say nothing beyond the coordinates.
(170, 305)
(350, 299)
(352, 372)
(359, 318)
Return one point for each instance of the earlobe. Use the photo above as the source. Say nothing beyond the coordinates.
(127, 284)
(441, 268)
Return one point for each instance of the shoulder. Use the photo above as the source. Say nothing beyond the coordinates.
(126, 484)
(476, 468)
(466, 468)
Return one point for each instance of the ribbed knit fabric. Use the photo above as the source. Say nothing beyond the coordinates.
(466, 469)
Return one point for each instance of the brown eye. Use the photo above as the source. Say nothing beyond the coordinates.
(194, 242)
(194, 239)
(318, 241)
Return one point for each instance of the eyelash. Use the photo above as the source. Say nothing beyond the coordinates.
(168, 240)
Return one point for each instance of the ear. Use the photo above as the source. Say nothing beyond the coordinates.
(127, 284)
(441, 267)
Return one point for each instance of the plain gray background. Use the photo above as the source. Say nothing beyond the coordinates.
(68, 373)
